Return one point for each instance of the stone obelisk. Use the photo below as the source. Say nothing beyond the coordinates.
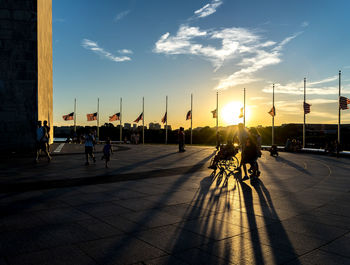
(25, 71)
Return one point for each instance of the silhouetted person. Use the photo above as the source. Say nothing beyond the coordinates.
(137, 138)
(273, 150)
(288, 144)
(219, 140)
(250, 156)
(107, 151)
(41, 142)
(256, 139)
(89, 147)
(242, 135)
(181, 140)
(47, 127)
(224, 153)
(337, 148)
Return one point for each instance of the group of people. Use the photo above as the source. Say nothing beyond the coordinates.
(293, 145)
(42, 143)
(249, 142)
(134, 138)
(90, 141)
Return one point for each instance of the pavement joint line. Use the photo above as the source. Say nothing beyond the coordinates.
(59, 148)
(325, 244)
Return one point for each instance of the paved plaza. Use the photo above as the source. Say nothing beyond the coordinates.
(157, 206)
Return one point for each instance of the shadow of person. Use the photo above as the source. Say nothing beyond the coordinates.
(292, 164)
(273, 233)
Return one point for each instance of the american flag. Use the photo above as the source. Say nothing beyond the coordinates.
(307, 108)
(91, 116)
(214, 113)
(115, 117)
(343, 103)
(272, 112)
(189, 115)
(68, 117)
(139, 118)
(241, 114)
(165, 117)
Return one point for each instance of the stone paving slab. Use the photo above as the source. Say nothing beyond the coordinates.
(156, 206)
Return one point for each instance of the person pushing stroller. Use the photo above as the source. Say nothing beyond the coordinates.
(250, 156)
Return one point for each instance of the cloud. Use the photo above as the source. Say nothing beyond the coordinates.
(305, 24)
(326, 80)
(260, 59)
(121, 15)
(59, 20)
(297, 106)
(257, 98)
(324, 114)
(312, 88)
(235, 42)
(125, 51)
(208, 9)
(93, 46)
(314, 101)
(251, 50)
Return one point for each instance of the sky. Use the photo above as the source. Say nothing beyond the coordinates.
(110, 49)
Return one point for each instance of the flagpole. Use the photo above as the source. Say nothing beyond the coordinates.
(339, 107)
(273, 116)
(98, 118)
(244, 110)
(217, 117)
(191, 115)
(120, 121)
(75, 115)
(304, 126)
(166, 120)
(143, 120)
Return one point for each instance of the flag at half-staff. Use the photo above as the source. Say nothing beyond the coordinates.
(214, 112)
(165, 117)
(68, 117)
(91, 116)
(189, 115)
(272, 112)
(307, 108)
(115, 117)
(343, 103)
(241, 114)
(139, 118)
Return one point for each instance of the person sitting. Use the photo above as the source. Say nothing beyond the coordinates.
(273, 150)
(225, 152)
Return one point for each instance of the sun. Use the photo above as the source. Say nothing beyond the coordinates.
(231, 111)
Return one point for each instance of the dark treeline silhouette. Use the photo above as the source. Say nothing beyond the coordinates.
(317, 135)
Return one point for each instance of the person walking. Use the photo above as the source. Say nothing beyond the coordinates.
(89, 147)
(47, 128)
(181, 140)
(250, 157)
(242, 135)
(107, 151)
(256, 139)
(40, 143)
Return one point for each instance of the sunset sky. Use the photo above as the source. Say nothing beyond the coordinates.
(133, 48)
